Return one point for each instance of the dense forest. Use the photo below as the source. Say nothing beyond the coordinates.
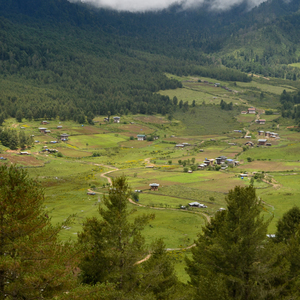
(80, 61)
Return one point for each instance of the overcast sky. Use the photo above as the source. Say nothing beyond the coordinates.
(155, 5)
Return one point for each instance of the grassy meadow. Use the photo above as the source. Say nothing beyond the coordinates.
(93, 150)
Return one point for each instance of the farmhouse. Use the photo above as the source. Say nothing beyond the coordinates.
(141, 137)
(232, 162)
(261, 121)
(221, 159)
(209, 162)
(243, 112)
(47, 131)
(64, 137)
(267, 133)
(24, 153)
(202, 166)
(179, 146)
(117, 119)
(154, 186)
(249, 143)
(42, 129)
(262, 142)
(44, 122)
(247, 137)
(59, 126)
(251, 110)
(197, 204)
(261, 132)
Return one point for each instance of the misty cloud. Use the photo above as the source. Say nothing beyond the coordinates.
(156, 5)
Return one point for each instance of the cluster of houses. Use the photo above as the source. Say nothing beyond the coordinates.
(222, 161)
(63, 137)
(264, 141)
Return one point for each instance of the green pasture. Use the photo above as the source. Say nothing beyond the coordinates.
(289, 152)
(280, 200)
(96, 141)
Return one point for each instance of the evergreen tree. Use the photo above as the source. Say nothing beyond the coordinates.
(19, 116)
(22, 139)
(13, 140)
(33, 263)
(113, 245)
(232, 259)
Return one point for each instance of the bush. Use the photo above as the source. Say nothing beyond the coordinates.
(249, 159)
(131, 138)
(59, 154)
(185, 169)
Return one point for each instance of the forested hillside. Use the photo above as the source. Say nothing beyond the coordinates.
(75, 62)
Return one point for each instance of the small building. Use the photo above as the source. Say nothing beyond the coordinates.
(249, 143)
(44, 122)
(117, 119)
(47, 131)
(262, 142)
(243, 112)
(247, 137)
(64, 137)
(154, 186)
(209, 162)
(251, 110)
(268, 144)
(42, 129)
(261, 132)
(232, 162)
(24, 153)
(141, 137)
(221, 159)
(197, 204)
(261, 121)
(106, 119)
(201, 166)
(91, 193)
(217, 84)
(268, 133)
(179, 146)
(59, 127)
(190, 171)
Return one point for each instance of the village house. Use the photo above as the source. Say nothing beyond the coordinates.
(249, 143)
(42, 129)
(232, 162)
(262, 142)
(179, 146)
(209, 162)
(247, 137)
(201, 166)
(261, 132)
(47, 131)
(44, 122)
(267, 133)
(64, 137)
(221, 159)
(141, 137)
(154, 186)
(197, 204)
(261, 121)
(251, 110)
(59, 126)
(117, 119)
(243, 112)
(24, 153)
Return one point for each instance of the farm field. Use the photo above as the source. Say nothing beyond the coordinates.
(81, 163)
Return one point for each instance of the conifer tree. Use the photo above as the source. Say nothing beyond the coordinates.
(113, 245)
(232, 258)
(33, 263)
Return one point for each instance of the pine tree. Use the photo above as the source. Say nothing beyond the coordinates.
(113, 245)
(33, 263)
(232, 258)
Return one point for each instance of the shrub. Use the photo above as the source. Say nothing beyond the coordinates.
(185, 169)
(131, 138)
(59, 154)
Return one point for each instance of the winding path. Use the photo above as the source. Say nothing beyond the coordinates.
(147, 160)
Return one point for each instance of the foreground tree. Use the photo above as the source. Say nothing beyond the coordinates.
(33, 263)
(115, 248)
(232, 258)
